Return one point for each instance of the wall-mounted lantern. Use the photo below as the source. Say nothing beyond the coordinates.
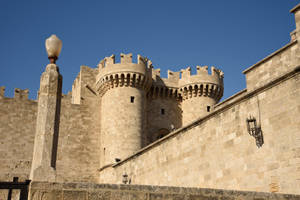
(125, 178)
(255, 131)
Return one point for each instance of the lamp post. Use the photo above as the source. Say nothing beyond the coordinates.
(53, 47)
(43, 166)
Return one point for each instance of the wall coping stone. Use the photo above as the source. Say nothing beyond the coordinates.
(270, 56)
(295, 8)
(163, 190)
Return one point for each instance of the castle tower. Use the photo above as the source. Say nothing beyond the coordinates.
(122, 87)
(163, 105)
(199, 92)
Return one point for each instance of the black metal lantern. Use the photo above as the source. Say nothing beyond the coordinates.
(255, 131)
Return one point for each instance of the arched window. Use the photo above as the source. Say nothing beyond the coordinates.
(162, 133)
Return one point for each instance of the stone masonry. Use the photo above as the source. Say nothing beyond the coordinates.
(124, 123)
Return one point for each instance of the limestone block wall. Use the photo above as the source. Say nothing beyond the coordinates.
(195, 108)
(78, 145)
(83, 85)
(275, 65)
(85, 191)
(17, 130)
(218, 152)
(162, 113)
(122, 122)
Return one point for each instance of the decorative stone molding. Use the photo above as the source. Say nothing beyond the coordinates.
(163, 92)
(123, 74)
(202, 89)
(125, 79)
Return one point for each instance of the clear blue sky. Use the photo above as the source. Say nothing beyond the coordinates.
(231, 35)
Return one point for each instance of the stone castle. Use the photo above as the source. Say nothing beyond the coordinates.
(124, 123)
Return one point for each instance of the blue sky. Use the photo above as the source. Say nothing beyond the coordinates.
(231, 35)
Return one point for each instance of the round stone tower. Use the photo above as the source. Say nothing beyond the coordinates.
(199, 92)
(122, 87)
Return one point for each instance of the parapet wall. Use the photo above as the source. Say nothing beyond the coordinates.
(273, 66)
(78, 155)
(126, 73)
(71, 191)
(187, 85)
(84, 84)
(17, 128)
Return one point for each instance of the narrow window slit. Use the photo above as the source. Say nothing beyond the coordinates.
(208, 108)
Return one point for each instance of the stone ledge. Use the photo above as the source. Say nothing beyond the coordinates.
(295, 8)
(270, 56)
(88, 191)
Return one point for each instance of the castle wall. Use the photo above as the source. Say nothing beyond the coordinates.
(162, 113)
(84, 80)
(195, 108)
(280, 62)
(17, 128)
(78, 157)
(218, 152)
(76, 191)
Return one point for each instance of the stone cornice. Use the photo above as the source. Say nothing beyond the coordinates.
(124, 79)
(161, 91)
(212, 90)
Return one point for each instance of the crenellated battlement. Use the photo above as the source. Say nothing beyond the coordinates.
(19, 94)
(124, 74)
(180, 85)
(203, 83)
(185, 75)
(2, 91)
(124, 59)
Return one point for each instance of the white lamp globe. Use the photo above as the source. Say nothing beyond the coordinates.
(53, 47)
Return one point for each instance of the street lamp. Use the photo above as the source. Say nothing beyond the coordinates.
(53, 47)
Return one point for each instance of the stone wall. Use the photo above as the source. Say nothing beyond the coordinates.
(218, 152)
(273, 66)
(80, 191)
(78, 142)
(78, 157)
(17, 128)
(162, 113)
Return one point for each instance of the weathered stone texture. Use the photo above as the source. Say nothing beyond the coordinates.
(218, 152)
(55, 191)
(118, 109)
(122, 123)
(162, 114)
(47, 125)
(17, 128)
(277, 64)
(78, 154)
(83, 84)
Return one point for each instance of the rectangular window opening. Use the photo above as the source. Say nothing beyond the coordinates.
(162, 111)
(208, 108)
(132, 99)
